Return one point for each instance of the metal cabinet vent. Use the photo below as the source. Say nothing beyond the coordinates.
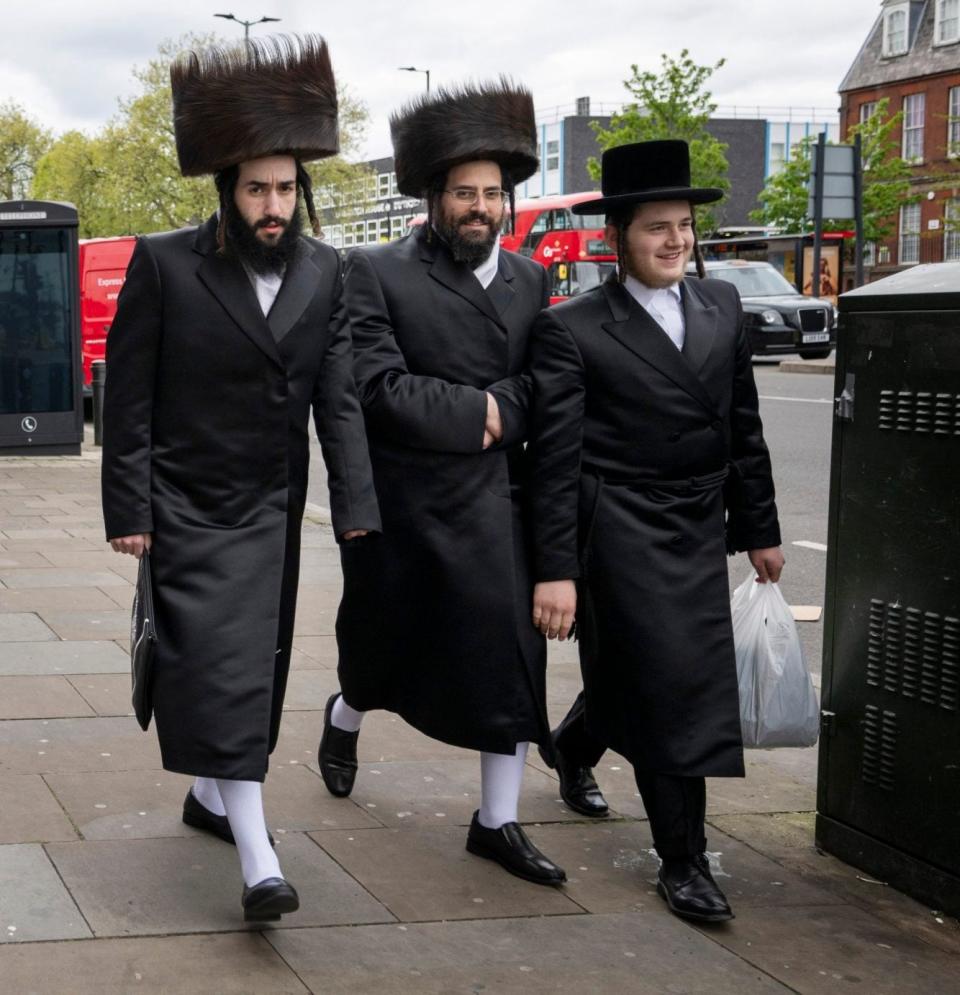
(879, 747)
(919, 411)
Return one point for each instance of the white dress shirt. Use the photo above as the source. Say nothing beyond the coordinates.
(487, 270)
(266, 286)
(665, 306)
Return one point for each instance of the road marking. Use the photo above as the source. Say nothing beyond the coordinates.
(796, 400)
(807, 544)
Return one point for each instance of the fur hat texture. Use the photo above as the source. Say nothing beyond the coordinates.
(267, 97)
(461, 124)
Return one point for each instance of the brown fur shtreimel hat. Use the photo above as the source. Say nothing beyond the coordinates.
(462, 124)
(273, 96)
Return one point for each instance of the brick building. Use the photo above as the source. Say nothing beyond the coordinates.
(912, 57)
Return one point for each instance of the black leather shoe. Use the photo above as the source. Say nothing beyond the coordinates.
(337, 755)
(268, 900)
(200, 817)
(513, 851)
(690, 891)
(578, 788)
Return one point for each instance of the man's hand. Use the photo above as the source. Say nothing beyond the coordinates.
(555, 607)
(134, 545)
(493, 430)
(354, 534)
(768, 563)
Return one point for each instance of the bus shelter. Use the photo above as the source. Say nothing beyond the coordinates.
(41, 404)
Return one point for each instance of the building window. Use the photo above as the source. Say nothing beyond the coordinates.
(913, 106)
(383, 185)
(895, 31)
(953, 122)
(909, 251)
(870, 254)
(394, 192)
(951, 233)
(396, 226)
(383, 230)
(553, 155)
(947, 28)
(867, 110)
(778, 154)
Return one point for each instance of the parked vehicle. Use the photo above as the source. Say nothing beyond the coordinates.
(103, 269)
(778, 318)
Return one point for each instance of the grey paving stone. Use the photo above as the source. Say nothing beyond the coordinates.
(227, 964)
(422, 874)
(316, 613)
(56, 746)
(83, 625)
(318, 652)
(34, 903)
(308, 690)
(21, 627)
(22, 560)
(64, 658)
(40, 698)
(628, 953)
(296, 800)
(830, 949)
(107, 694)
(142, 887)
(44, 599)
(103, 558)
(29, 813)
(57, 577)
(23, 529)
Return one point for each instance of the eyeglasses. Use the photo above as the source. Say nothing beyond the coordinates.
(467, 195)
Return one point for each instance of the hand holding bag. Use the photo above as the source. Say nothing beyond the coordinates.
(143, 644)
(778, 703)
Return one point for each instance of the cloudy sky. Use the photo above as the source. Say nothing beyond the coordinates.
(68, 64)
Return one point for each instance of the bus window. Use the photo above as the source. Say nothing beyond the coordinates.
(588, 220)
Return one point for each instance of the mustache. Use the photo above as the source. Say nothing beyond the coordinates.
(474, 216)
(271, 220)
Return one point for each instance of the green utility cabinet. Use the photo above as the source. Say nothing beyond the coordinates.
(888, 795)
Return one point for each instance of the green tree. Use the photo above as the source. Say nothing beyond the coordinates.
(886, 182)
(674, 103)
(22, 143)
(75, 169)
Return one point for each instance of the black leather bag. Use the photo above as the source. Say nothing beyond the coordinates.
(143, 644)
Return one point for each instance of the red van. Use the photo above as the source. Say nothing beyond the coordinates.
(103, 268)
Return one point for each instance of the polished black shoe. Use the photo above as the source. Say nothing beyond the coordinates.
(688, 888)
(268, 900)
(200, 817)
(337, 755)
(513, 851)
(578, 789)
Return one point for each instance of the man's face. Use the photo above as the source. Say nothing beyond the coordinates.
(659, 242)
(470, 210)
(266, 195)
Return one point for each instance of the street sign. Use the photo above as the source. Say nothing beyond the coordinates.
(839, 169)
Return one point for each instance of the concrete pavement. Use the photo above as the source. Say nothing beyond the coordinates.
(104, 890)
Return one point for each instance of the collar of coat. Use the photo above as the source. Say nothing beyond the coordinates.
(231, 286)
(637, 331)
(459, 278)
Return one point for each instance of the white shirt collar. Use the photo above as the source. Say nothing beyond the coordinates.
(487, 270)
(644, 295)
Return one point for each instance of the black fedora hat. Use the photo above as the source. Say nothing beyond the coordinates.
(646, 171)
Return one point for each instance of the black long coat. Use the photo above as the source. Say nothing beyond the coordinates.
(435, 619)
(205, 446)
(633, 439)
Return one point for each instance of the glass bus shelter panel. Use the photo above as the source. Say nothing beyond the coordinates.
(36, 316)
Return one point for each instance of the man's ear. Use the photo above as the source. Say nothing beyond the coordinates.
(610, 236)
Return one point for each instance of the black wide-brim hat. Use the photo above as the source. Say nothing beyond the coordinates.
(643, 172)
(272, 96)
(493, 120)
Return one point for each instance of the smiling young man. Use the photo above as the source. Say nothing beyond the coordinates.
(649, 463)
(226, 336)
(434, 623)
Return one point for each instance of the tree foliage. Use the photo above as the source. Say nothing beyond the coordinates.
(886, 182)
(22, 143)
(674, 103)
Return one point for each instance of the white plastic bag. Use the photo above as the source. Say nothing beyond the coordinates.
(778, 703)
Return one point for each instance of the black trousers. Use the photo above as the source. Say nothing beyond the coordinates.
(676, 806)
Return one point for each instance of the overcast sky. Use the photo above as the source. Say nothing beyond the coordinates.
(68, 64)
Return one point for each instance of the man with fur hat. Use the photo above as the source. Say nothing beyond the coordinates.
(434, 623)
(645, 430)
(226, 335)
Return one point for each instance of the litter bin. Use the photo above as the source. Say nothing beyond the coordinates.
(41, 405)
(888, 794)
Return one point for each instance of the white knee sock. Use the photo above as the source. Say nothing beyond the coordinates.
(206, 792)
(344, 717)
(500, 779)
(243, 801)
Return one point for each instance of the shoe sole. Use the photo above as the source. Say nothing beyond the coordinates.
(479, 850)
(591, 813)
(195, 822)
(335, 793)
(693, 916)
(271, 909)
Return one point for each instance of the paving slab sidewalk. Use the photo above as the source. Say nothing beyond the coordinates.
(103, 889)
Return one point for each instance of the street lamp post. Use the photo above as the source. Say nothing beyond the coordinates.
(413, 69)
(246, 24)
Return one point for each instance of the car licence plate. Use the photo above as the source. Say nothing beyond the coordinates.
(809, 337)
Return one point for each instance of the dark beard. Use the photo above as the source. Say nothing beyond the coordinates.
(242, 243)
(463, 249)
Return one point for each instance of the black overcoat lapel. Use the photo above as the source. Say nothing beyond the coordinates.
(296, 292)
(700, 324)
(634, 329)
(231, 286)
